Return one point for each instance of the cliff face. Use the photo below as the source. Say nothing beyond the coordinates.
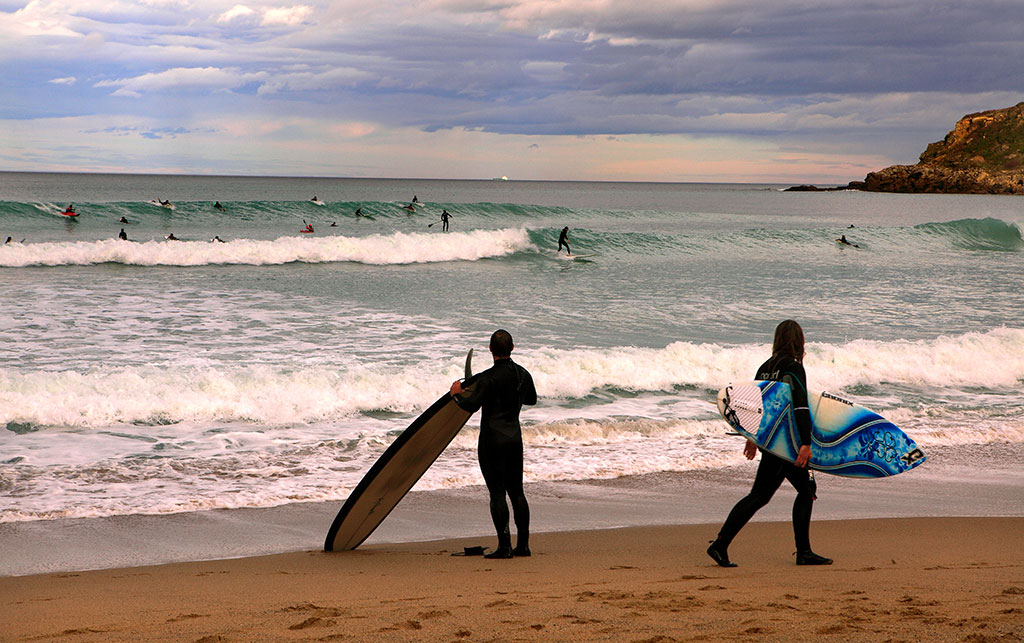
(983, 154)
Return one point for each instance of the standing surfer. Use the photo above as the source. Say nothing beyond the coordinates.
(444, 220)
(785, 365)
(563, 240)
(502, 390)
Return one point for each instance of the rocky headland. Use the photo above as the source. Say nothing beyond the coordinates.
(983, 154)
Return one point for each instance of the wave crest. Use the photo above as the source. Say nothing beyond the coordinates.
(396, 248)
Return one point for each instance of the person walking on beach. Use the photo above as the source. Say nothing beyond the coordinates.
(785, 365)
(563, 240)
(501, 391)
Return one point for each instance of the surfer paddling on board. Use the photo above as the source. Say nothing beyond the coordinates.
(563, 240)
(785, 365)
(501, 391)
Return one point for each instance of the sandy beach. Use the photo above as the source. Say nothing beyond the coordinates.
(902, 579)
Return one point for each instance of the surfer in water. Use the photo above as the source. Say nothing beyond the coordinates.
(444, 220)
(218, 206)
(785, 364)
(563, 240)
(122, 235)
(122, 220)
(502, 390)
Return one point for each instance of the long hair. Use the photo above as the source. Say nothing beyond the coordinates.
(789, 340)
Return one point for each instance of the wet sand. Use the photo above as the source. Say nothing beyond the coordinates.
(904, 579)
(980, 480)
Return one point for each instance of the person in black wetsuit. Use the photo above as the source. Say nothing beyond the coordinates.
(785, 365)
(444, 220)
(122, 235)
(501, 391)
(563, 240)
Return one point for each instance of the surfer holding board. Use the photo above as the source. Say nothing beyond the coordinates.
(501, 391)
(785, 364)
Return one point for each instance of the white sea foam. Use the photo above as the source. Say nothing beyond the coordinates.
(151, 440)
(396, 248)
(608, 380)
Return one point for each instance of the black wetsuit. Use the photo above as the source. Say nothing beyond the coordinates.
(501, 391)
(563, 240)
(444, 220)
(773, 470)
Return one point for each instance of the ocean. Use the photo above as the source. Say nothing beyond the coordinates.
(155, 377)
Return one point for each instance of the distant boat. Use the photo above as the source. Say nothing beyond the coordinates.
(500, 178)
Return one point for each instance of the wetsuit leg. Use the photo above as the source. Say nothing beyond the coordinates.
(513, 473)
(770, 474)
(502, 466)
(802, 506)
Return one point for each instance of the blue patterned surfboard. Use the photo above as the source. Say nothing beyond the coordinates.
(847, 439)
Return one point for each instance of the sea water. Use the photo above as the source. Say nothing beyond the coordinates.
(152, 376)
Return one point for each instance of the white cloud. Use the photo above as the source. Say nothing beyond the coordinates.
(312, 81)
(184, 78)
(286, 16)
(68, 80)
(237, 11)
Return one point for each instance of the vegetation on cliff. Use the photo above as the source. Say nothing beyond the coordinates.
(983, 154)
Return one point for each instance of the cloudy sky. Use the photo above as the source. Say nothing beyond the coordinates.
(657, 90)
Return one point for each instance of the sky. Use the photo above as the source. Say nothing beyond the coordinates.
(784, 91)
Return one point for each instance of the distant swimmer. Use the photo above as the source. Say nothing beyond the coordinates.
(217, 239)
(334, 224)
(123, 220)
(218, 206)
(563, 240)
(171, 237)
(122, 235)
